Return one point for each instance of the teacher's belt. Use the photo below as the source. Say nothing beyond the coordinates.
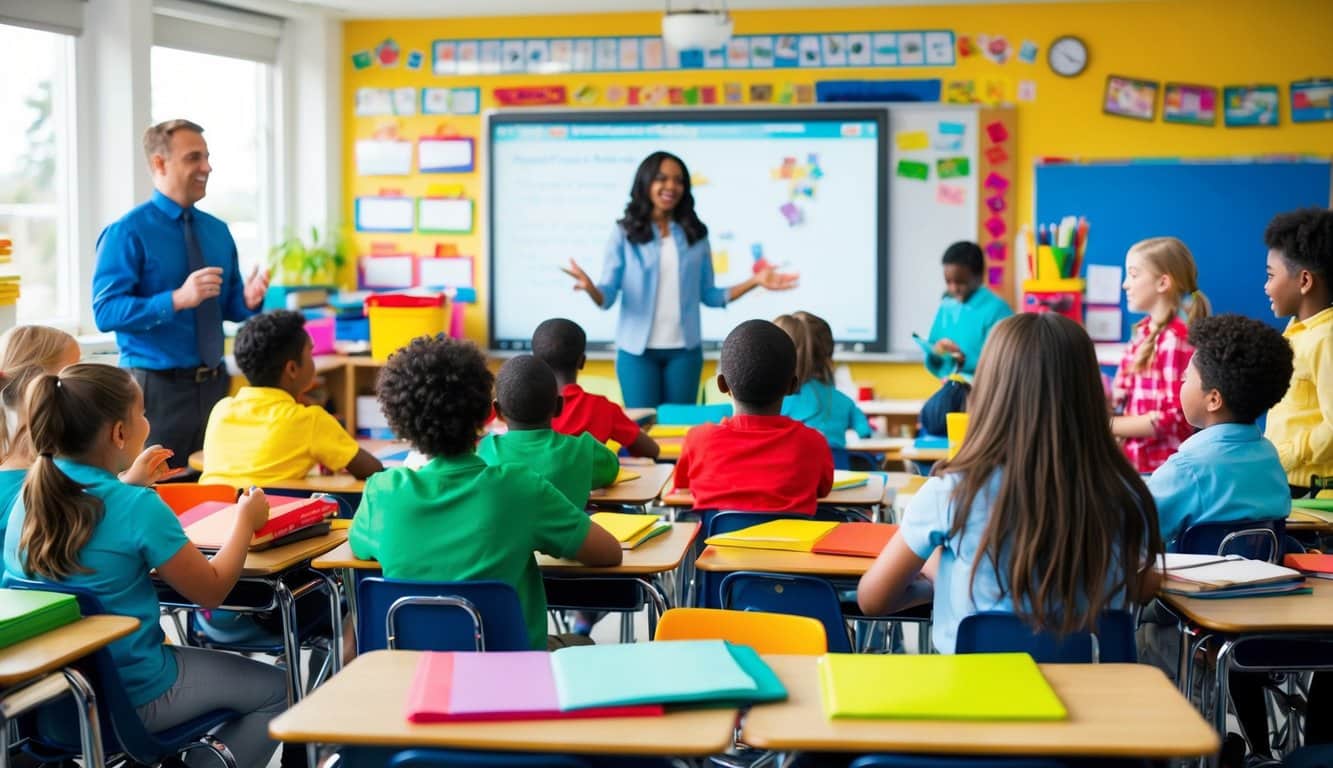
(198, 375)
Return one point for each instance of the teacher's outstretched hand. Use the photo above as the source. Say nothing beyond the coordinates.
(582, 282)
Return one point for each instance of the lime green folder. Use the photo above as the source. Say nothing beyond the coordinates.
(685, 671)
(26, 613)
(982, 686)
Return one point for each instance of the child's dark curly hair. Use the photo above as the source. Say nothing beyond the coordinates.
(266, 343)
(1247, 361)
(436, 394)
(1305, 238)
(758, 360)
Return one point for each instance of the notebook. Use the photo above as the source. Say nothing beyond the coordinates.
(978, 686)
(856, 539)
(790, 535)
(844, 479)
(629, 529)
(1170, 561)
(624, 476)
(1231, 572)
(667, 430)
(685, 671)
(211, 527)
(1316, 565)
(471, 687)
(27, 613)
(1314, 505)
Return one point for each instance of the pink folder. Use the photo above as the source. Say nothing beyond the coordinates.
(471, 687)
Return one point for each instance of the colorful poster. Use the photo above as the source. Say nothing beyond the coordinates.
(911, 49)
(650, 52)
(491, 54)
(469, 57)
(1189, 104)
(583, 56)
(885, 49)
(786, 52)
(939, 48)
(1249, 105)
(607, 54)
(1312, 101)
(537, 54)
(629, 54)
(738, 53)
(761, 52)
(715, 59)
(858, 50)
(834, 50)
(443, 57)
(511, 56)
(562, 55)
(809, 50)
(1130, 97)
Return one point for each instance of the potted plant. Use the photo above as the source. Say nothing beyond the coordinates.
(294, 262)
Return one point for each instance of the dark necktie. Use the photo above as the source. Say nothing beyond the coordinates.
(208, 315)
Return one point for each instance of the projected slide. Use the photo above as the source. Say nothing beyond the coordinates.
(800, 192)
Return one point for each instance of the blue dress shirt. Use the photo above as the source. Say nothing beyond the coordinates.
(967, 324)
(141, 259)
(632, 269)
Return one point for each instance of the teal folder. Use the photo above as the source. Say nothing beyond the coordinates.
(26, 613)
(686, 671)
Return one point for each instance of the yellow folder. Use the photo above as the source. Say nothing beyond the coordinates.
(667, 430)
(624, 476)
(980, 686)
(791, 535)
(624, 526)
(843, 478)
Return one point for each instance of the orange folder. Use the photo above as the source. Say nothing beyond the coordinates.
(856, 539)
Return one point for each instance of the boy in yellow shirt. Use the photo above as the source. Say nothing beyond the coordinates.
(263, 434)
(1300, 286)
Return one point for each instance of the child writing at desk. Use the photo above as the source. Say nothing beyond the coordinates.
(1162, 281)
(456, 518)
(77, 524)
(818, 404)
(1049, 520)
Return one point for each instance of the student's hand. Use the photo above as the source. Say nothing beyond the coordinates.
(254, 508)
(150, 467)
(947, 348)
(773, 280)
(202, 284)
(256, 285)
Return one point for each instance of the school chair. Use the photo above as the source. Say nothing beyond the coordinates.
(123, 733)
(438, 616)
(182, 497)
(1005, 632)
(790, 594)
(946, 761)
(1257, 540)
(764, 632)
(703, 591)
(677, 415)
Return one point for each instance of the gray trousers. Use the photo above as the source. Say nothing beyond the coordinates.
(177, 409)
(209, 680)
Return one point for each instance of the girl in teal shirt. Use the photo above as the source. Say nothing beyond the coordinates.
(818, 404)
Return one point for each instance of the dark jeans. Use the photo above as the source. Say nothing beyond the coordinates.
(177, 408)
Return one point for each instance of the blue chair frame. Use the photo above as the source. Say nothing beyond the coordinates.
(1005, 632)
(438, 616)
(1241, 538)
(711, 523)
(790, 594)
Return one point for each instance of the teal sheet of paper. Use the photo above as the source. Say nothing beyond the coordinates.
(929, 350)
(649, 673)
(768, 686)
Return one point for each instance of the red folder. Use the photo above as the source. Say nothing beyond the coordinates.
(210, 524)
(477, 687)
(856, 539)
(1317, 565)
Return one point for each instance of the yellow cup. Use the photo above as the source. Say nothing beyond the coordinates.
(956, 424)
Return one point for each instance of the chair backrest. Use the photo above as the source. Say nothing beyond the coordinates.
(676, 414)
(438, 616)
(448, 758)
(764, 632)
(1255, 539)
(713, 522)
(790, 594)
(181, 497)
(949, 761)
(1004, 632)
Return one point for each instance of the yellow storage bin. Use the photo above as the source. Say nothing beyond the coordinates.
(396, 319)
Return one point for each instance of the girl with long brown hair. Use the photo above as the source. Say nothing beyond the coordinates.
(1039, 513)
(76, 523)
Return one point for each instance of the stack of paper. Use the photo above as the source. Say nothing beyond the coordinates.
(1316, 510)
(856, 539)
(789, 535)
(980, 686)
(1231, 576)
(844, 479)
(631, 530)
(9, 289)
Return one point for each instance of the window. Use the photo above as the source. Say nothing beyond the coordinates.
(232, 99)
(36, 172)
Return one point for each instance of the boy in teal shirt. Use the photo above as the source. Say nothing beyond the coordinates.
(967, 313)
(456, 518)
(527, 398)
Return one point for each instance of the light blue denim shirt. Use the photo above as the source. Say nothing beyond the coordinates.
(1226, 473)
(632, 269)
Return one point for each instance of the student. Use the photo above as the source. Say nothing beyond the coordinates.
(1048, 520)
(77, 524)
(1162, 281)
(561, 344)
(818, 404)
(757, 460)
(456, 518)
(1300, 286)
(968, 311)
(263, 435)
(526, 398)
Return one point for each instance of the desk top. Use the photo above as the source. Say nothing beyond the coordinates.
(1157, 722)
(336, 483)
(731, 559)
(867, 495)
(379, 681)
(925, 454)
(657, 555)
(273, 561)
(1279, 613)
(53, 650)
(891, 407)
(880, 444)
(652, 478)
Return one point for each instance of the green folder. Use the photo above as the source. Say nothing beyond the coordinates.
(26, 613)
(693, 671)
(981, 686)
(1318, 505)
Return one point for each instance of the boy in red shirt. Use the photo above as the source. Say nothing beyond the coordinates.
(757, 460)
(561, 343)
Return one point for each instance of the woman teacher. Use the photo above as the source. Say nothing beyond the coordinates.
(659, 258)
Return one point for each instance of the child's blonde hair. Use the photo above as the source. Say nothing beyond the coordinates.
(1171, 257)
(800, 337)
(26, 352)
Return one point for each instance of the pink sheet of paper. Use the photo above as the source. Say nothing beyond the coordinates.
(997, 251)
(996, 182)
(995, 226)
(204, 509)
(950, 194)
(997, 132)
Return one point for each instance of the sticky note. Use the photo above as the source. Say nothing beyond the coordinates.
(996, 155)
(912, 140)
(997, 251)
(995, 226)
(362, 59)
(995, 203)
(950, 194)
(995, 276)
(1027, 90)
(997, 182)
(414, 60)
(721, 261)
(952, 128)
(911, 169)
(952, 167)
(997, 132)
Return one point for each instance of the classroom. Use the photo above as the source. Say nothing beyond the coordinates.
(374, 394)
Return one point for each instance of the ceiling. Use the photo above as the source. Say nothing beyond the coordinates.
(380, 9)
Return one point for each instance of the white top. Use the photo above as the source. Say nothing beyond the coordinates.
(666, 331)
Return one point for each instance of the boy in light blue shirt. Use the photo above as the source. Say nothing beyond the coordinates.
(967, 313)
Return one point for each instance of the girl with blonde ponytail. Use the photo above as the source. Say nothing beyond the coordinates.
(1162, 281)
(75, 523)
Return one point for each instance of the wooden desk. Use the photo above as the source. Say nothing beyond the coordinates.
(900, 416)
(1115, 710)
(639, 492)
(869, 495)
(732, 559)
(345, 377)
(275, 561)
(378, 682)
(891, 446)
(913, 453)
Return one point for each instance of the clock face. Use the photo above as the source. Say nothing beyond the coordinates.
(1068, 56)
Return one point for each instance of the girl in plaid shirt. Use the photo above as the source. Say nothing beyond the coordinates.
(1162, 281)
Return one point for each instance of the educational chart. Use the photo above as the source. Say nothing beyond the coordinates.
(800, 191)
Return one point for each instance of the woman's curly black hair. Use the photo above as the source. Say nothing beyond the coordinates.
(638, 219)
(436, 393)
(1248, 361)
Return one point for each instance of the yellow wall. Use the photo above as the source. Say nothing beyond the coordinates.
(1210, 42)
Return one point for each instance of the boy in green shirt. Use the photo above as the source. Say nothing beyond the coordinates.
(527, 399)
(456, 518)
